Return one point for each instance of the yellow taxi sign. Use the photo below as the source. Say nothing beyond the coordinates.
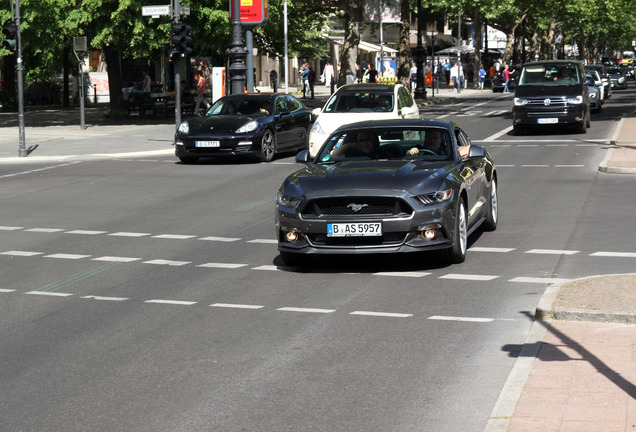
(388, 80)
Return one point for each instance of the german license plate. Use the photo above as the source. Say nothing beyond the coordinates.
(356, 229)
(207, 144)
(547, 120)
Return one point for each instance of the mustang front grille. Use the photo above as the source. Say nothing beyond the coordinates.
(357, 206)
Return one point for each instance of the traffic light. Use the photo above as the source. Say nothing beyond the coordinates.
(179, 40)
(10, 33)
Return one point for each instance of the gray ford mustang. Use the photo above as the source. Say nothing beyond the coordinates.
(388, 186)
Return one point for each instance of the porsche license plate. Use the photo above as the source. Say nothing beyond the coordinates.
(547, 120)
(356, 229)
(207, 144)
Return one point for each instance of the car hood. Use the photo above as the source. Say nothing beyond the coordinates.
(361, 177)
(218, 123)
(548, 90)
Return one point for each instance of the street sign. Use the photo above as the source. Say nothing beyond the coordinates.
(80, 44)
(253, 12)
(155, 11)
(185, 10)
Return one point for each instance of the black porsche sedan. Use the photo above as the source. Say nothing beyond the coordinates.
(250, 125)
(388, 186)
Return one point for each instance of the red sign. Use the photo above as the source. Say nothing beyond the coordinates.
(253, 12)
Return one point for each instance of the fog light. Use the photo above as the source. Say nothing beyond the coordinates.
(428, 234)
(292, 236)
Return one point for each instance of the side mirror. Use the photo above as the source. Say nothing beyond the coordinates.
(303, 157)
(406, 111)
(589, 81)
(476, 151)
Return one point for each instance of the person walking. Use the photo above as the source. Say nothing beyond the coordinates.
(327, 72)
(303, 76)
(311, 79)
(201, 91)
(506, 75)
(482, 77)
(372, 74)
(454, 77)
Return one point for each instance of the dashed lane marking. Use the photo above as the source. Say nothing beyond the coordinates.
(539, 280)
(22, 253)
(86, 232)
(402, 274)
(102, 298)
(220, 239)
(306, 310)
(116, 259)
(168, 262)
(66, 256)
(464, 319)
(381, 314)
(129, 234)
(490, 249)
(44, 230)
(615, 254)
(551, 252)
(171, 302)
(472, 277)
(48, 293)
(222, 265)
(236, 306)
(173, 236)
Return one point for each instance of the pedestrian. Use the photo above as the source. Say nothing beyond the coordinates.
(303, 76)
(461, 78)
(146, 87)
(201, 91)
(311, 79)
(327, 72)
(413, 75)
(372, 74)
(482, 77)
(506, 75)
(447, 67)
(454, 77)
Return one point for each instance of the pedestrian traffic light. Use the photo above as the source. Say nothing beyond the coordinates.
(10, 33)
(179, 39)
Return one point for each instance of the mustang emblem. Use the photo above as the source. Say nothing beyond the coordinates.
(546, 102)
(356, 207)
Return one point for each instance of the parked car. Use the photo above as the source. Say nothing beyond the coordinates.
(357, 102)
(602, 71)
(617, 78)
(595, 93)
(628, 70)
(550, 93)
(388, 186)
(254, 125)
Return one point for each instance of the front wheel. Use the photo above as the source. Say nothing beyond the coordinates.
(457, 253)
(490, 224)
(268, 146)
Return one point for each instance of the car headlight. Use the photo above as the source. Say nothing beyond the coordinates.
(184, 127)
(621, 79)
(577, 100)
(317, 129)
(287, 200)
(248, 127)
(436, 197)
(521, 101)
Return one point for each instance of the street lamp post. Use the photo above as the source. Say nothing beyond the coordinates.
(237, 53)
(420, 89)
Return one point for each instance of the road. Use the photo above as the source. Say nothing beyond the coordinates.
(147, 295)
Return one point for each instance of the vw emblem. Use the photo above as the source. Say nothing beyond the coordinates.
(546, 102)
(356, 207)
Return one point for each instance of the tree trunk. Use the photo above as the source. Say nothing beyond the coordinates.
(349, 54)
(114, 81)
(404, 67)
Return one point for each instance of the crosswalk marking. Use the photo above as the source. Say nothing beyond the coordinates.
(22, 253)
(66, 256)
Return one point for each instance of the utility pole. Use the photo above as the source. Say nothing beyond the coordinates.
(13, 31)
(237, 53)
(420, 89)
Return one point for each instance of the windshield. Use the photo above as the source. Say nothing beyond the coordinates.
(247, 106)
(427, 144)
(541, 75)
(360, 102)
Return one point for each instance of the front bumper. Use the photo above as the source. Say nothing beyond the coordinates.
(400, 233)
(228, 147)
(537, 113)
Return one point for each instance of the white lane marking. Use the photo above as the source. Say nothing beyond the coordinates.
(402, 274)
(86, 232)
(535, 166)
(539, 280)
(129, 234)
(167, 262)
(557, 145)
(22, 253)
(116, 259)
(490, 249)
(47, 293)
(264, 241)
(222, 265)
(267, 268)
(569, 166)
(45, 230)
(10, 228)
(105, 298)
(473, 277)
(66, 256)
(456, 318)
(504, 166)
(615, 254)
(306, 310)
(171, 302)
(618, 129)
(3, 290)
(528, 145)
(381, 314)
(236, 306)
(551, 251)
(39, 169)
(173, 236)
(220, 239)
(498, 134)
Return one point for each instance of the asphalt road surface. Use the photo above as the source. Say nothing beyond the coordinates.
(148, 295)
